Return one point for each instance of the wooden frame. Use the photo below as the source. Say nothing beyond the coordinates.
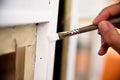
(18, 52)
(45, 50)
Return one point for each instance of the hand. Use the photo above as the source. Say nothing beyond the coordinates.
(108, 32)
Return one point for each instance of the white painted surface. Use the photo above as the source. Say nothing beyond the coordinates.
(53, 37)
(40, 72)
(44, 61)
(16, 12)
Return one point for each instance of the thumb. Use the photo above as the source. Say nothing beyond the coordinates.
(110, 34)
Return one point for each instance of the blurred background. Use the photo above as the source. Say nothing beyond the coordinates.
(77, 57)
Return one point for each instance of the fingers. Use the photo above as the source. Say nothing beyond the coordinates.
(107, 13)
(107, 30)
(110, 35)
(104, 47)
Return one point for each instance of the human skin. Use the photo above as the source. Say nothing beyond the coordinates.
(109, 35)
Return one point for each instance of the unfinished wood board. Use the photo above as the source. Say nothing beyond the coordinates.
(19, 63)
(29, 62)
(22, 36)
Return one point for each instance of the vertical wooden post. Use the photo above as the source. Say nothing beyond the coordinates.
(20, 63)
